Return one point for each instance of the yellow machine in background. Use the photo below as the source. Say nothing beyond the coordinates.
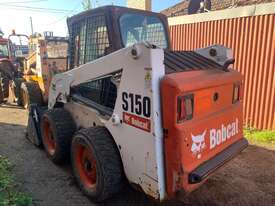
(47, 56)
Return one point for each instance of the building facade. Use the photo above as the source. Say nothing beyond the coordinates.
(182, 8)
(140, 4)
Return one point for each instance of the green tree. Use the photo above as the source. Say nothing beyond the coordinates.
(86, 4)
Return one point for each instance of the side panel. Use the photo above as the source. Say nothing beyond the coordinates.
(84, 116)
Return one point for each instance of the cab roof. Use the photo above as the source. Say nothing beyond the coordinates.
(110, 9)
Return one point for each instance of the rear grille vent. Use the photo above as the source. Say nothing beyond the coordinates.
(179, 61)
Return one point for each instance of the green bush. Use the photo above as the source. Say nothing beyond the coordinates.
(8, 194)
(264, 136)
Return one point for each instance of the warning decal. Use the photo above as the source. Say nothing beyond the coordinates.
(137, 122)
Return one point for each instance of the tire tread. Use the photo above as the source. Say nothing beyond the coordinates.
(33, 92)
(109, 160)
(64, 128)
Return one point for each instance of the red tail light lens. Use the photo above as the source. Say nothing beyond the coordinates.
(237, 93)
(185, 108)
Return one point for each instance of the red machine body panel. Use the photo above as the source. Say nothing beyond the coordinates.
(215, 124)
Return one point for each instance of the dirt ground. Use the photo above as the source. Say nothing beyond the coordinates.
(247, 180)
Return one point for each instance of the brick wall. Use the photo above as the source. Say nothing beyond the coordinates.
(140, 4)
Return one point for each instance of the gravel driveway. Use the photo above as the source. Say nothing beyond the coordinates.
(248, 180)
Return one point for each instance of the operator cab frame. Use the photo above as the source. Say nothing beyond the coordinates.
(104, 30)
(113, 27)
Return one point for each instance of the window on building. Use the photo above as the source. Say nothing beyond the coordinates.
(57, 49)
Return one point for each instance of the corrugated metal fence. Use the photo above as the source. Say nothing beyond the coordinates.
(252, 39)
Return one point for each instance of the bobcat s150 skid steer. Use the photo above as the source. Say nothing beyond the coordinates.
(130, 107)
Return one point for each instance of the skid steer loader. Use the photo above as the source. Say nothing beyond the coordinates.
(47, 56)
(132, 109)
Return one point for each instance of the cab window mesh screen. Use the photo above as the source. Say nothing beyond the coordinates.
(75, 43)
(97, 38)
(82, 40)
(89, 40)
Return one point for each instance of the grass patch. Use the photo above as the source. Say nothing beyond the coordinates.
(8, 194)
(262, 136)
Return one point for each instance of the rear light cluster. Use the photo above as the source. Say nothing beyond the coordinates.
(237, 93)
(185, 108)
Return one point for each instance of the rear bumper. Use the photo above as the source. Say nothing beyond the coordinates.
(204, 170)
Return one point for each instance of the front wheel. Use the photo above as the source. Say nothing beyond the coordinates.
(96, 163)
(31, 94)
(57, 127)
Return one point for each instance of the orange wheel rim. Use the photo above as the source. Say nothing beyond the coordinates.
(48, 137)
(86, 165)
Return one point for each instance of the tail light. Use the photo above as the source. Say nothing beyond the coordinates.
(237, 92)
(185, 108)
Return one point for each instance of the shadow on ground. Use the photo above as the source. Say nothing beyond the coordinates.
(248, 180)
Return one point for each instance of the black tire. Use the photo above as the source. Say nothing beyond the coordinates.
(7, 68)
(4, 81)
(57, 127)
(31, 94)
(16, 89)
(109, 170)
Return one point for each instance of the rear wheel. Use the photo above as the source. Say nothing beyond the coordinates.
(4, 81)
(96, 163)
(57, 128)
(31, 94)
(7, 72)
(5, 86)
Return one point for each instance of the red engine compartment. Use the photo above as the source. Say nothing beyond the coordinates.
(216, 122)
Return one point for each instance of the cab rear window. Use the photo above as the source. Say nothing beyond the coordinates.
(141, 28)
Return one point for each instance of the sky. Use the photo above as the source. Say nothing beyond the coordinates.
(52, 14)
